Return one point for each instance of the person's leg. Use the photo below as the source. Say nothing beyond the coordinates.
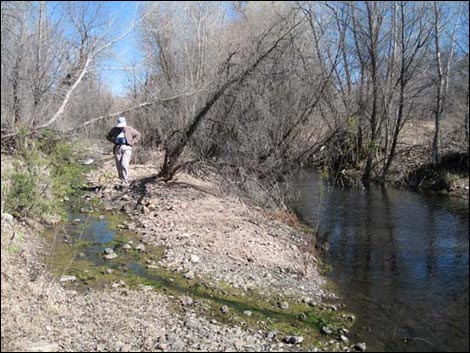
(126, 158)
(117, 158)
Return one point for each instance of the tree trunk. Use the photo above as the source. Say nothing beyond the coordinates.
(176, 144)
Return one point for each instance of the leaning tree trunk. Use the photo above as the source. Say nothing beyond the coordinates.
(176, 143)
(179, 139)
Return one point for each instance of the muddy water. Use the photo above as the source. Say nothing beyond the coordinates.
(400, 260)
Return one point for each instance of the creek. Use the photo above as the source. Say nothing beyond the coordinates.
(399, 259)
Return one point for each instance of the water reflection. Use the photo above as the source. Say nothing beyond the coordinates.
(401, 261)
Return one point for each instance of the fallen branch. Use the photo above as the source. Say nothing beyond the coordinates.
(122, 112)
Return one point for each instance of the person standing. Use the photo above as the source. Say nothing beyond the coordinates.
(123, 137)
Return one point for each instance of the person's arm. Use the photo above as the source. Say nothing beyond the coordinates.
(109, 136)
(136, 136)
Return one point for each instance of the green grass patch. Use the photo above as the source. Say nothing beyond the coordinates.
(44, 171)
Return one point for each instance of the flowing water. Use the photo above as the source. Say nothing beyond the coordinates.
(400, 260)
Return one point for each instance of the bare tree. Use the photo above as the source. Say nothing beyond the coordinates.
(443, 70)
(60, 64)
(179, 139)
(412, 37)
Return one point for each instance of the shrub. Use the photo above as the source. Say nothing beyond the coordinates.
(44, 172)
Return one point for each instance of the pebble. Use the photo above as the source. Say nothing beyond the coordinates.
(140, 247)
(187, 301)
(183, 236)
(326, 330)
(360, 346)
(127, 247)
(294, 339)
(224, 309)
(121, 283)
(87, 161)
(344, 339)
(189, 275)
(126, 348)
(194, 259)
(43, 346)
(284, 305)
(68, 278)
(247, 313)
(110, 256)
(270, 336)
(162, 346)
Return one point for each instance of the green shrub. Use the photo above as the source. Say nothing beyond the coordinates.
(46, 170)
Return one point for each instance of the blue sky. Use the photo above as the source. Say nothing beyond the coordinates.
(125, 51)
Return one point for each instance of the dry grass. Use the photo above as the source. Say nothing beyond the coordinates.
(287, 217)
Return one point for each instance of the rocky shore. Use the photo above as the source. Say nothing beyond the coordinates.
(240, 253)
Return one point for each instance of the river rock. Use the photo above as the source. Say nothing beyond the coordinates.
(87, 161)
(294, 339)
(68, 278)
(270, 336)
(108, 251)
(224, 309)
(146, 288)
(127, 247)
(194, 259)
(187, 301)
(284, 305)
(43, 346)
(361, 347)
(140, 247)
(183, 236)
(344, 339)
(247, 313)
(110, 256)
(126, 348)
(162, 346)
(121, 283)
(189, 275)
(178, 346)
(326, 330)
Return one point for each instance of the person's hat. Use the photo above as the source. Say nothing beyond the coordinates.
(121, 122)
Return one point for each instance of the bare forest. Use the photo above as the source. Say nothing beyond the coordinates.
(253, 90)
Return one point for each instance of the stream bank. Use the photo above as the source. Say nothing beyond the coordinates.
(212, 274)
